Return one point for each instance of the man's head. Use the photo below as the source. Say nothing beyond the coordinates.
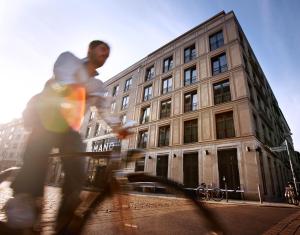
(98, 52)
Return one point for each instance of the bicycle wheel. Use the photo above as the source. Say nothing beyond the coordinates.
(217, 194)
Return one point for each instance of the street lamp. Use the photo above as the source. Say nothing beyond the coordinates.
(290, 160)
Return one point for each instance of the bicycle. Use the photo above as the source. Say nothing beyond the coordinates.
(205, 193)
(117, 180)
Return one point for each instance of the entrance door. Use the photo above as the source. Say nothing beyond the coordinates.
(229, 171)
(162, 166)
(190, 170)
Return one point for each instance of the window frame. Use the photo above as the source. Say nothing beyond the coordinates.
(218, 43)
(191, 106)
(192, 54)
(165, 113)
(221, 68)
(169, 87)
(166, 136)
(125, 106)
(192, 79)
(148, 96)
(193, 136)
(227, 131)
(170, 64)
(225, 97)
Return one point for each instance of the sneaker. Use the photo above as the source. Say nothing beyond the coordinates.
(20, 211)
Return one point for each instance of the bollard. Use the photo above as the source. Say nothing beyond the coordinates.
(259, 194)
(226, 192)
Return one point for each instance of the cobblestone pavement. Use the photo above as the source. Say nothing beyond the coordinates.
(110, 218)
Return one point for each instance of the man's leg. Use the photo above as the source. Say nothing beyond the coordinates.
(31, 177)
(75, 174)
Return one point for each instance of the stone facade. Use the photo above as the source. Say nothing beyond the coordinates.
(241, 159)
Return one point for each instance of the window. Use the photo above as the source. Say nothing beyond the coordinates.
(140, 164)
(115, 90)
(128, 84)
(255, 125)
(191, 131)
(145, 114)
(190, 76)
(149, 73)
(164, 136)
(88, 132)
(106, 94)
(216, 40)
(190, 101)
(219, 64)
(165, 108)
(166, 85)
(113, 107)
(147, 93)
(168, 64)
(125, 102)
(92, 115)
(222, 92)
(97, 129)
(123, 119)
(189, 53)
(143, 139)
(225, 125)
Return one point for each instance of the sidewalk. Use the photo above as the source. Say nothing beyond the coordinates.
(157, 203)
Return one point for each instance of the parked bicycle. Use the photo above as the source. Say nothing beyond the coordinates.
(206, 193)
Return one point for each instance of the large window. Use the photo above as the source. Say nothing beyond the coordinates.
(147, 93)
(143, 139)
(166, 85)
(191, 131)
(115, 90)
(128, 84)
(190, 75)
(88, 132)
(189, 53)
(149, 73)
(145, 114)
(219, 64)
(97, 131)
(190, 101)
(164, 136)
(168, 64)
(113, 107)
(222, 92)
(92, 115)
(165, 108)
(125, 102)
(140, 164)
(225, 125)
(216, 40)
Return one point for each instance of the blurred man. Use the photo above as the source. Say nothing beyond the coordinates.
(54, 117)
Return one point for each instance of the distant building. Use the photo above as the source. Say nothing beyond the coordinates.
(13, 138)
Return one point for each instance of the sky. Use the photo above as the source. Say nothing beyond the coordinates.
(34, 32)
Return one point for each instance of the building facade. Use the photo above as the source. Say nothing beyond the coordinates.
(205, 113)
(13, 138)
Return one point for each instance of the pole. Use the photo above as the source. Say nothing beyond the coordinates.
(259, 194)
(291, 165)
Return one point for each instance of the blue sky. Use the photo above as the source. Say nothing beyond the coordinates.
(34, 32)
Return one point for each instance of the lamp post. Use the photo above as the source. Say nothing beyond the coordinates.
(291, 165)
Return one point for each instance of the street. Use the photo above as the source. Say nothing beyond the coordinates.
(162, 215)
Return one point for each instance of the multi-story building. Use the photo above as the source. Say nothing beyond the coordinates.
(205, 113)
(13, 138)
